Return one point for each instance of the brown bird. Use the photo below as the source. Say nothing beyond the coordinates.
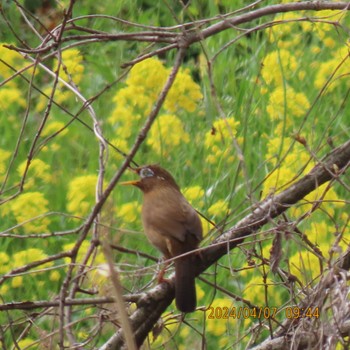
(172, 226)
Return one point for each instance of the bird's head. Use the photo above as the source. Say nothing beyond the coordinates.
(152, 177)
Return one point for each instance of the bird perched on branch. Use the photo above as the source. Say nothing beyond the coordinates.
(172, 226)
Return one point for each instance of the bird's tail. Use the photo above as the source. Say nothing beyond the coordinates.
(185, 288)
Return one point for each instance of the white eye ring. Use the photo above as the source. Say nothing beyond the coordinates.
(146, 172)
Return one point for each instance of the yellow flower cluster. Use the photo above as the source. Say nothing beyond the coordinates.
(218, 209)
(38, 171)
(62, 96)
(278, 66)
(185, 93)
(219, 140)
(53, 127)
(257, 288)
(144, 83)
(120, 144)
(135, 101)
(98, 273)
(72, 68)
(13, 59)
(81, 194)
(195, 195)
(292, 32)
(29, 210)
(305, 264)
(167, 133)
(216, 324)
(4, 259)
(10, 94)
(287, 104)
(328, 68)
(294, 157)
(129, 212)
(17, 260)
(328, 196)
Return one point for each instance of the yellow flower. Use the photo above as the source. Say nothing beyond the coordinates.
(218, 209)
(330, 201)
(185, 93)
(167, 133)
(329, 42)
(206, 225)
(328, 68)
(288, 34)
(54, 276)
(143, 85)
(27, 256)
(31, 207)
(96, 260)
(305, 265)
(4, 260)
(11, 97)
(194, 195)
(54, 127)
(27, 343)
(218, 320)
(287, 104)
(62, 97)
(256, 289)
(129, 212)
(4, 289)
(17, 282)
(38, 170)
(81, 194)
(278, 66)
(23, 258)
(185, 333)
(13, 59)
(219, 140)
(294, 157)
(149, 74)
(199, 292)
(122, 145)
(71, 67)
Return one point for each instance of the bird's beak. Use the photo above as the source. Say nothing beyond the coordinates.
(133, 182)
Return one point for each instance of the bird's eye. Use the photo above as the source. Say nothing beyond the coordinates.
(146, 172)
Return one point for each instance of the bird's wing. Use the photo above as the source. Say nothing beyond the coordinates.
(191, 221)
(173, 217)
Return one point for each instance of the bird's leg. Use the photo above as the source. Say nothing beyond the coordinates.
(161, 273)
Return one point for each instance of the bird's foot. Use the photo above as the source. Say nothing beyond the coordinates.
(161, 273)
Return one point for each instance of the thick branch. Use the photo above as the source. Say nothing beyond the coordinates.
(187, 36)
(270, 10)
(330, 168)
